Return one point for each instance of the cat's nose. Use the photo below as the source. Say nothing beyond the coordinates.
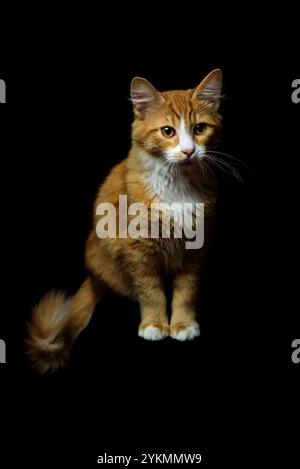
(188, 153)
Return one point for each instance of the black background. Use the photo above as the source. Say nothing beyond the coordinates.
(231, 394)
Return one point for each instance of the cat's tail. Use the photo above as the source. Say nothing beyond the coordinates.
(56, 322)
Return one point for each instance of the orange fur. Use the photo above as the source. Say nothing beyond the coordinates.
(138, 267)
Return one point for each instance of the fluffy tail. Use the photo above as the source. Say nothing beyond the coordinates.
(55, 324)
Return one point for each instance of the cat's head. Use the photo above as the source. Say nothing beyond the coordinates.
(176, 125)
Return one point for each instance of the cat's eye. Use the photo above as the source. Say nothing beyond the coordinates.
(200, 128)
(168, 131)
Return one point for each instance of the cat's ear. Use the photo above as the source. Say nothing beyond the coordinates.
(210, 89)
(144, 97)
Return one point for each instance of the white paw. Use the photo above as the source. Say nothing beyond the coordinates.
(152, 333)
(189, 333)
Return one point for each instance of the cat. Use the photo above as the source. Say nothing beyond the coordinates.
(171, 132)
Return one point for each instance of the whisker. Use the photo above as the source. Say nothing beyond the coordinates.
(207, 167)
(227, 155)
(229, 166)
(218, 162)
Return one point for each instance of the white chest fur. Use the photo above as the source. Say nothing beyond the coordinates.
(176, 189)
(176, 183)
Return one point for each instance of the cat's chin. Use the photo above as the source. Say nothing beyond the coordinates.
(182, 161)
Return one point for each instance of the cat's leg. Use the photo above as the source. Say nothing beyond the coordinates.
(153, 305)
(154, 320)
(184, 325)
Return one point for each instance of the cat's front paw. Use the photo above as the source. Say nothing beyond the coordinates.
(154, 331)
(182, 332)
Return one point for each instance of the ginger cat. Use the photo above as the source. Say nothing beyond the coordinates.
(167, 163)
